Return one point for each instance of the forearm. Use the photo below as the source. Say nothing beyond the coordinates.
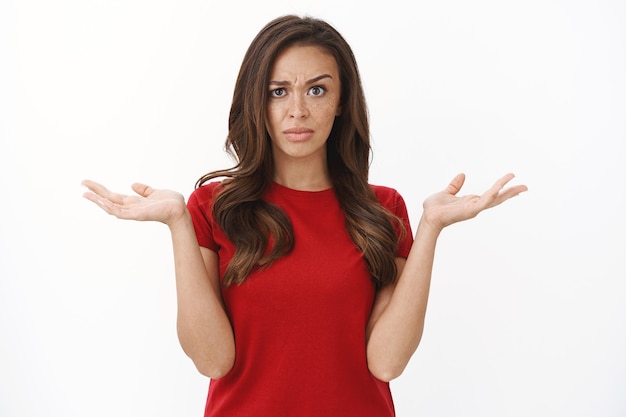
(204, 330)
(397, 332)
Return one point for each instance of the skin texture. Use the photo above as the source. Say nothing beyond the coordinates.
(304, 101)
(397, 320)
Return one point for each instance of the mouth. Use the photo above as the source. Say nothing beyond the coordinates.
(298, 134)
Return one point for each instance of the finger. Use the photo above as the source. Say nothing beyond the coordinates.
(102, 202)
(504, 180)
(455, 185)
(142, 189)
(492, 193)
(498, 186)
(102, 191)
(496, 195)
(92, 185)
(92, 197)
(96, 192)
(512, 192)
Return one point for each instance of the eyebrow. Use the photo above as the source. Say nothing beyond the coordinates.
(311, 81)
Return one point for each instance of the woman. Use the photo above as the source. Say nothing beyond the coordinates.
(300, 289)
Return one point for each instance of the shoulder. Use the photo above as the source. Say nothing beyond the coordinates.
(388, 197)
(205, 194)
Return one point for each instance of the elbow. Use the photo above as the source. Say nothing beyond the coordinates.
(213, 369)
(213, 362)
(386, 373)
(387, 364)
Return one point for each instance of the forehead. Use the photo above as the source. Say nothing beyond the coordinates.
(304, 59)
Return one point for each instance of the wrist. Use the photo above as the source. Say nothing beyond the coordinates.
(180, 220)
(427, 227)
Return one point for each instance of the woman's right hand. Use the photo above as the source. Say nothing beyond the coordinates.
(164, 206)
(204, 329)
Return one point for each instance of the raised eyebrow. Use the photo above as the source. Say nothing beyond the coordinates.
(318, 78)
(309, 82)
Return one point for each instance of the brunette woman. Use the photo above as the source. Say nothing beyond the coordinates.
(301, 289)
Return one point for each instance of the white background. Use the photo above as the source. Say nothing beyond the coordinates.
(527, 315)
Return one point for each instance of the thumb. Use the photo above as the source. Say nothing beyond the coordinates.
(456, 184)
(142, 189)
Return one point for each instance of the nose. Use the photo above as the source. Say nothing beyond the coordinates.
(298, 108)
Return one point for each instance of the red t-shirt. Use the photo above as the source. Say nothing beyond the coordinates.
(300, 324)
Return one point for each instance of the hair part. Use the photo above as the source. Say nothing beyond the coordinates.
(249, 221)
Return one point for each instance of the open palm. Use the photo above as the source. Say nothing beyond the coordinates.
(445, 207)
(149, 204)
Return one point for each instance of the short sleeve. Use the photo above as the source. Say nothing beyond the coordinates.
(393, 201)
(200, 206)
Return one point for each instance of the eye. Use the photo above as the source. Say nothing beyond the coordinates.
(278, 92)
(317, 91)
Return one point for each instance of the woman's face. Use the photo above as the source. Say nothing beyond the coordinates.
(304, 95)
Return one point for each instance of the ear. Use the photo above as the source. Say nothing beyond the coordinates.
(338, 112)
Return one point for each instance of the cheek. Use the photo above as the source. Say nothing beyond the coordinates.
(272, 116)
(327, 110)
(334, 108)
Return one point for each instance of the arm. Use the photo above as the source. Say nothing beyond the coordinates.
(397, 321)
(204, 330)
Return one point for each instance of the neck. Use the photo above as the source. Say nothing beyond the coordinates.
(302, 175)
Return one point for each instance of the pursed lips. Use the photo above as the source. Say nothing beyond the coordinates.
(298, 134)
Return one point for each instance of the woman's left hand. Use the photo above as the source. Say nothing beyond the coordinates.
(445, 208)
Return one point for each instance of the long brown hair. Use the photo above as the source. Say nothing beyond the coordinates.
(246, 219)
